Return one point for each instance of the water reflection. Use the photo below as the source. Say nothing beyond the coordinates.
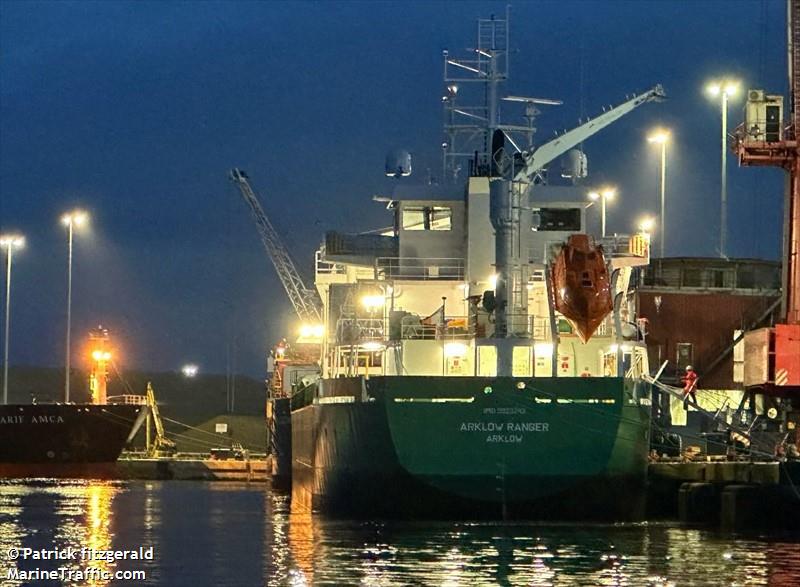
(45, 515)
(11, 532)
(230, 535)
(321, 551)
(98, 532)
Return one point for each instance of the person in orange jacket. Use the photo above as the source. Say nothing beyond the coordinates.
(689, 386)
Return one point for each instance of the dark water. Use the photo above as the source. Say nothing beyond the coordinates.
(229, 534)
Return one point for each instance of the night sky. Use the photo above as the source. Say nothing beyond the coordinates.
(136, 111)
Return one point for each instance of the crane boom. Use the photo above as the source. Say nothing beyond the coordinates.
(543, 155)
(162, 446)
(306, 301)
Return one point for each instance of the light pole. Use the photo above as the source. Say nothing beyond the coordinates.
(723, 89)
(9, 241)
(604, 196)
(70, 220)
(662, 137)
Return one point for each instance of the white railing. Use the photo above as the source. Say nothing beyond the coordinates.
(462, 327)
(128, 399)
(357, 330)
(422, 268)
(637, 245)
(327, 267)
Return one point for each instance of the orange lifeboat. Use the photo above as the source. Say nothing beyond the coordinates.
(581, 285)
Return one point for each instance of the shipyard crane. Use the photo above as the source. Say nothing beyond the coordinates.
(772, 355)
(306, 302)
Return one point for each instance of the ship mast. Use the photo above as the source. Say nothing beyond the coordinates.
(468, 129)
(100, 356)
(511, 170)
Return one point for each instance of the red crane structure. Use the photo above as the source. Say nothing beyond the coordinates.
(772, 355)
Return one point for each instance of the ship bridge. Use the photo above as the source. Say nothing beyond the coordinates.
(416, 298)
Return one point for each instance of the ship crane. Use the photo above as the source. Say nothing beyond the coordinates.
(510, 186)
(545, 154)
(307, 303)
(772, 355)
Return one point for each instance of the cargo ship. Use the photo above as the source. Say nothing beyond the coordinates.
(481, 357)
(70, 440)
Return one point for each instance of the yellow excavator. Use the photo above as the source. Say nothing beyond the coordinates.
(160, 446)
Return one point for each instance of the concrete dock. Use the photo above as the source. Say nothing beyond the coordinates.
(735, 496)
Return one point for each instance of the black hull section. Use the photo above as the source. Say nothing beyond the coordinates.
(63, 440)
(279, 429)
(599, 499)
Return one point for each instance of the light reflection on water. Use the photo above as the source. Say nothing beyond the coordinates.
(237, 534)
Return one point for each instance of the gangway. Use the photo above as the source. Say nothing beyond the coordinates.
(677, 392)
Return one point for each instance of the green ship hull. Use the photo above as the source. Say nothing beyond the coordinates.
(481, 447)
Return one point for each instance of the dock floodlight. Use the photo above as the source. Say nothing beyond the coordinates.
(603, 195)
(723, 89)
(12, 241)
(75, 218)
(660, 136)
(9, 242)
(646, 225)
(189, 370)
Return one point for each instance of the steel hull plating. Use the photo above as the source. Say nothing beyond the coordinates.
(482, 447)
(63, 440)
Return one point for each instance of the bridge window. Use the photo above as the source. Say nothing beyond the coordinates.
(557, 219)
(440, 218)
(413, 218)
(427, 218)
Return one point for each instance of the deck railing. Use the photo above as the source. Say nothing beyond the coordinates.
(419, 268)
(327, 267)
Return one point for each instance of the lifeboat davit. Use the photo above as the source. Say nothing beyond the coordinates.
(581, 285)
